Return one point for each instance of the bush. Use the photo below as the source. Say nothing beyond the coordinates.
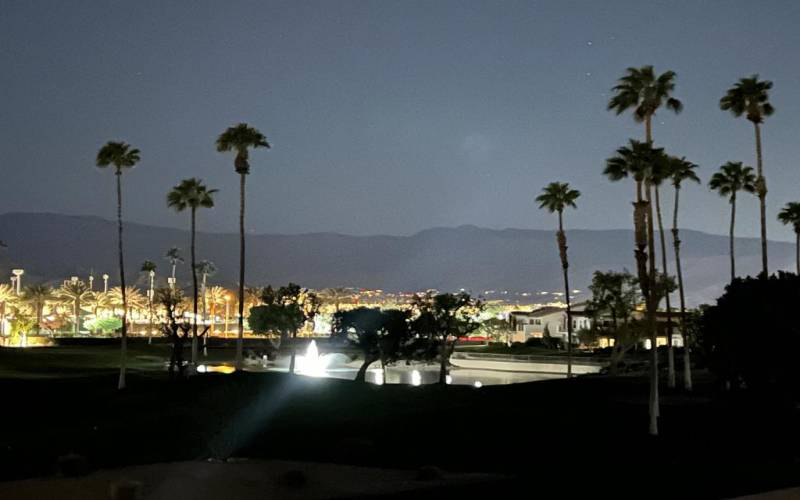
(751, 335)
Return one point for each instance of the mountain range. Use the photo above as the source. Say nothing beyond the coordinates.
(52, 247)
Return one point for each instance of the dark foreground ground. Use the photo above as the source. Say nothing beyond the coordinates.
(565, 438)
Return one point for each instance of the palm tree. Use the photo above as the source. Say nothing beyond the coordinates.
(644, 92)
(174, 257)
(555, 197)
(149, 267)
(241, 138)
(135, 300)
(98, 301)
(215, 296)
(660, 172)
(681, 170)
(75, 293)
(336, 296)
(192, 194)
(730, 179)
(750, 97)
(791, 215)
(206, 268)
(7, 298)
(637, 160)
(38, 296)
(121, 156)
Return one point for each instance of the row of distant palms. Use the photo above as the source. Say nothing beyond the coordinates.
(644, 92)
(189, 194)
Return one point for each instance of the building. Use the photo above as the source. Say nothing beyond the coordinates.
(552, 319)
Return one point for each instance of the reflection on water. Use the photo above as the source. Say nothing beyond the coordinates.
(215, 369)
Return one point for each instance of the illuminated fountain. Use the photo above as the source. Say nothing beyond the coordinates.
(312, 364)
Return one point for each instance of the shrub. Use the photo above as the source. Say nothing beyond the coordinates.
(751, 334)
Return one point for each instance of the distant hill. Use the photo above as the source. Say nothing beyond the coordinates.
(52, 247)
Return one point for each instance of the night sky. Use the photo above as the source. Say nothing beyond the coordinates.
(385, 117)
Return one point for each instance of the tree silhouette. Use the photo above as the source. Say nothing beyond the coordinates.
(790, 215)
(240, 139)
(750, 97)
(121, 156)
(680, 171)
(555, 197)
(731, 178)
(192, 194)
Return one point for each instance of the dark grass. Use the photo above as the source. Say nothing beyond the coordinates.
(564, 438)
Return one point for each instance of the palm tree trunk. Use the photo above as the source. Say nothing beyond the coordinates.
(797, 251)
(650, 297)
(208, 332)
(240, 339)
(687, 365)
(670, 350)
(731, 242)
(762, 200)
(194, 290)
(150, 309)
(124, 337)
(561, 237)
(652, 306)
(39, 313)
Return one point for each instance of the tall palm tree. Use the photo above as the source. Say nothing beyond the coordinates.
(192, 194)
(791, 215)
(75, 293)
(174, 257)
(555, 197)
(206, 268)
(7, 298)
(149, 267)
(121, 156)
(750, 97)
(38, 296)
(636, 160)
(215, 297)
(681, 170)
(240, 139)
(730, 179)
(644, 93)
(660, 172)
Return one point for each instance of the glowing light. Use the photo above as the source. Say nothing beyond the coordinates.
(312, 364)
(478, 384)
(448, 379)
(416, 378)
(378, 377)
(215, 369)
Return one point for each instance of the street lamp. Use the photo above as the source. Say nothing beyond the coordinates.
(18, 273)
(91, 282)
(105, 283)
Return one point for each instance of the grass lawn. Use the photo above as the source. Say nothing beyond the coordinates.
(564, 437)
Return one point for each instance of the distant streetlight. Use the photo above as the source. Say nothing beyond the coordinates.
(18, 273)
(105, 283)
(91, 282)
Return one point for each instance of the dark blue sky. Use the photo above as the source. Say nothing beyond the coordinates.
(385, 117)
